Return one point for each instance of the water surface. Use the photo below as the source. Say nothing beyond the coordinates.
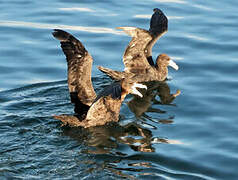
(193, 136)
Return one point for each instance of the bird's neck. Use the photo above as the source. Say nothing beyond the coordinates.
(150, 61)
(161, 72)
(155, 38)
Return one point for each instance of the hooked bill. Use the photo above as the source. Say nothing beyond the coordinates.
(173, 65)
(135, 91)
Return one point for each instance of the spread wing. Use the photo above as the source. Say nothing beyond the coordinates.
(79, 68)
(158, 27)
(138, 55)
(158, 23)
(134, 57)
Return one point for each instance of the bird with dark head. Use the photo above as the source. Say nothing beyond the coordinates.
(137, 57)
(91, 110)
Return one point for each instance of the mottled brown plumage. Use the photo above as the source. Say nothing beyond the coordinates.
(91, 110)
(137, 57)
(79, 63)
(105, 109)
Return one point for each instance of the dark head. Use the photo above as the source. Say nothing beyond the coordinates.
(129, 87)
(164, 60)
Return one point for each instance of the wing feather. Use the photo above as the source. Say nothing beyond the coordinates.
(158, 27)
(79, 63)
(134, 57)
(114, 90)
(158, 23)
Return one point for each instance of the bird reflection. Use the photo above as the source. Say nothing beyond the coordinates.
(106, 139)
(137, 135)
(139, 106)
(110, 139)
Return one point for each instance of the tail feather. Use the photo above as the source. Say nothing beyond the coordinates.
(115, 75)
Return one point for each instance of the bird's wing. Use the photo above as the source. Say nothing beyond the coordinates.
(115, 75)
(114, 90)
(158, 27)
(106, 107)
(134, 57)
(79, 67)
(158, 23)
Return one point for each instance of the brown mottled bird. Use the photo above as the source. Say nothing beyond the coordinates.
(137, 57)
(96, 110)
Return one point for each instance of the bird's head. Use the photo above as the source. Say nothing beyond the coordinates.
(165, 60)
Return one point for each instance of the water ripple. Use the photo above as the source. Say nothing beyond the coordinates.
(50, 26)
(193, 136)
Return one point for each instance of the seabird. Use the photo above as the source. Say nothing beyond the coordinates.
(97, 110)
(137, 57)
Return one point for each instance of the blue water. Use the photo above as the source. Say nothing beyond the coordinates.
(192, 137)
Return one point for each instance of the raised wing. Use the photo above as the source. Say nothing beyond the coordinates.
(158, 27)
(79, 68)
(134, 57)
(158, 23)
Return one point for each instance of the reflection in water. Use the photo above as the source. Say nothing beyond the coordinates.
(139, 106)
(101, 12)
(137, 135)
(108, 140)
(57, 26)
(104, 141)
(171, 1)
(196, 37)
(77, 9)
(204, 7)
